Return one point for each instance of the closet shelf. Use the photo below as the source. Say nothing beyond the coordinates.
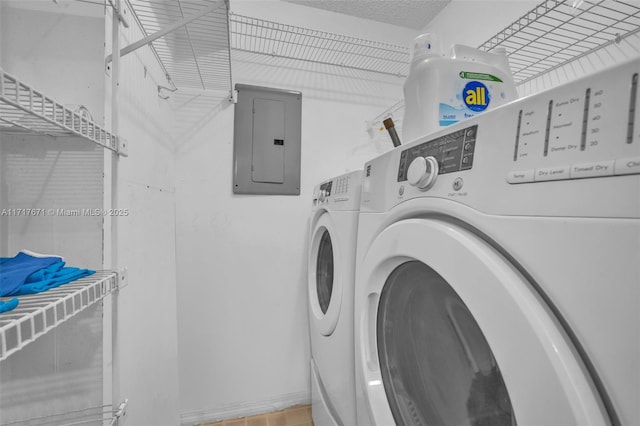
(194, 50)
(24, 110)
(557, 32)
(37, 314)
(291, 42)
(196, 55)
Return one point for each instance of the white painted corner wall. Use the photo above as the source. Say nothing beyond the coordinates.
(146, 366)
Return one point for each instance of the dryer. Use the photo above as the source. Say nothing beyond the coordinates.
(498, 277)
(331, 275)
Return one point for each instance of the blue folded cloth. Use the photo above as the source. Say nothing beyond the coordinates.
(50, 277)
(27, 274)
(9, 305)
(15, 270)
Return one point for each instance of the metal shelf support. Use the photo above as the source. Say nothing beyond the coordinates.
(171, 28)
(39, 313)
(557, 32)
(26, 110)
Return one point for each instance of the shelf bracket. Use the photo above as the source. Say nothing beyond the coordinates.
(123, 146)
(149, 39)
(120, 412)
(122, 278)
(160, 92)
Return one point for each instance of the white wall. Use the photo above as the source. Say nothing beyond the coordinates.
(146, 340)
(242, 309)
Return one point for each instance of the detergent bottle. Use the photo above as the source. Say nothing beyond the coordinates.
(442, 90)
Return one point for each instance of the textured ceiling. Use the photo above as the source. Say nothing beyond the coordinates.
(413, 14)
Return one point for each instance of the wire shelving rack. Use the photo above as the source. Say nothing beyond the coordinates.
(557, 32)
(287, 41)
(26, 110)
(39, 313)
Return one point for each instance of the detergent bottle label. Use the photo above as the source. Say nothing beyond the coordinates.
(472, 95)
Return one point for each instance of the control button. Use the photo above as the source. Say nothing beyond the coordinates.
(470, 133)
(552, 173)
(422, 172)
(468, 146)
(586, 170)
(457, 184)
(467, 161)
(627, 166)
(521, 176)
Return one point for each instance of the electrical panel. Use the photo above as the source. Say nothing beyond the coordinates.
(266, 141)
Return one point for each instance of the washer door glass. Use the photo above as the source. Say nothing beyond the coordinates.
(436, 364)
(324, 271)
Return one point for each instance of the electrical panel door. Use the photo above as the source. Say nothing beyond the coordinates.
(267, 160)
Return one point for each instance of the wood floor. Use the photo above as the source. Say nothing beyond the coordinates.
(300, 415)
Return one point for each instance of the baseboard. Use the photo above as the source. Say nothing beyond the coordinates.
(245, 409)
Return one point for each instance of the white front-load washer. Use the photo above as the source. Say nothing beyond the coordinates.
(331, 275)
(498, 266)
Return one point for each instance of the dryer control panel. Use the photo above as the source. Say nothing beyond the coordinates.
(586, 130)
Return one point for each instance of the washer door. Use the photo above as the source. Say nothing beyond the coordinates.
(449, 332)
(325, 282)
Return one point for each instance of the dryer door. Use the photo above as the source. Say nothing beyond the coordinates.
(325, 282)
(449, 332)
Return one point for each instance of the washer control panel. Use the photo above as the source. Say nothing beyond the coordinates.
(452, 152)
(337, 187)
(339, 193)
(325, 191)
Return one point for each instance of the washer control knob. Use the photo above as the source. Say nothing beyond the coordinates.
(423, 172)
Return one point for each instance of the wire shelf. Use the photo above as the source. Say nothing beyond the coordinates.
(39, 313)
(105, 415)
(26, 110)
(291, 42)
(195, 55)
(552, 34)
(557, 32)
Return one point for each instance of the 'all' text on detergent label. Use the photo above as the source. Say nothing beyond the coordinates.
(476, 96)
